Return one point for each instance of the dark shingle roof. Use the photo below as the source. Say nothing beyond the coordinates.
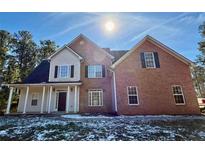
(116, 53)
(39, 74)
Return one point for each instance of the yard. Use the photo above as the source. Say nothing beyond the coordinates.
(105, 128)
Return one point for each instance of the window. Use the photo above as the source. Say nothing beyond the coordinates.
(178, 94)
(95, 71)
(132, 95)
(149, 60)
(34, 100)
(63, 71)
(95, 97)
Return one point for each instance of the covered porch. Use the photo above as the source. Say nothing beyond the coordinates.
(46, 98)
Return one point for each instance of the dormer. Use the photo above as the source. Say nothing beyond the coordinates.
(64, 65)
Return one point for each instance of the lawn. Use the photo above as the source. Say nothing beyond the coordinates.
(95, 128)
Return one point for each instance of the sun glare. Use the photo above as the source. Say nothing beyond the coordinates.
(109, 26)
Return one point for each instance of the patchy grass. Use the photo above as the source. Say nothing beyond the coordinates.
(102, 128)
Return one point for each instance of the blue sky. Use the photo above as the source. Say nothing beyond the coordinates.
(177, 30)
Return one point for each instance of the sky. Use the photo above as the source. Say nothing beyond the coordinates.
(179, 31)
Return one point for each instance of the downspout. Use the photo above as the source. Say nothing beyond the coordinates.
(115, 93)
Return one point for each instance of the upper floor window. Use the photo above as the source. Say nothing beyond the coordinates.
(95, 97)
(95, 71)
(64, 71)
(132, 95)
(178, 94)
(150, 60)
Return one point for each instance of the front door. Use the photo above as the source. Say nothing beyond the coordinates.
(62, 101)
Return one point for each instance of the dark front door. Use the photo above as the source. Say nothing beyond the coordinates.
(62, 101)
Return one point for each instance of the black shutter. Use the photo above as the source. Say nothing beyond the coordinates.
(86, 71)
(72, 71)
(103, 70)
(56, 72)
(156, 58)
(142, 60)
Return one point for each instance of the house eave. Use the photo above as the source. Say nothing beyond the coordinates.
(43, 84)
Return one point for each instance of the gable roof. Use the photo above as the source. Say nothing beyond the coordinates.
(40, 74)
(87, 39)
(61, 49)
(117, 54)
(159, 44)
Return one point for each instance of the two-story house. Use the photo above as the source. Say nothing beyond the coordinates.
(82, 77)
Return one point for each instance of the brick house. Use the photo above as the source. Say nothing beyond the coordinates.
(82, 77)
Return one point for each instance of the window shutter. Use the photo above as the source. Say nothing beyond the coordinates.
(72, 71)
(86, 71)
(156, 58)
(142, 59)
(56, 72)
(103, 70)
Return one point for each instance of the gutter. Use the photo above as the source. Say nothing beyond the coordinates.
(115, 93)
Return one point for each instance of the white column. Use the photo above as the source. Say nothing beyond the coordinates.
(26, 99)
(115, 91)
(9, 100)
(67, 99)
(75, 100)
(49, 101)
(43, 97)
(78, 102)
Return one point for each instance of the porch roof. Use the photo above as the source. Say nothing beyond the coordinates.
(45, 84)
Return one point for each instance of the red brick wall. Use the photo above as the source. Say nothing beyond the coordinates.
(92, 55)
(154, 85)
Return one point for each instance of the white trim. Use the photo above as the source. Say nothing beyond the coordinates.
(68, 71)
(68, 99)
(49, 100)
(87, 39)
(159, 44)
(115, 90)
(75, 100)
(178, 104)
(43, 84)
(9, 100)
(43, 98)
(96, 71)
(61, 49)
(152, 57)
(26, 99)
(133, 95)
(78, 106)
(90, 92)
(37, 94)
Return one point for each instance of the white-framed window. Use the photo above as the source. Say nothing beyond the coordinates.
(95, 71)
(34, 99)
(149, 60)
(95, 97)
(178, 94)
(132, 93)
(63, 71)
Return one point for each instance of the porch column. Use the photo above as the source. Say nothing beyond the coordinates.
(68, 99)
(75, 100)
(26, 99)
(78, 102)
(9, 100)
(49, 101)
(43, 97)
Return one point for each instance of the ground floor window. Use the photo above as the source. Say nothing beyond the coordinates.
(132, 95)
(34, 100)
(95, 97)
(178, 94)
